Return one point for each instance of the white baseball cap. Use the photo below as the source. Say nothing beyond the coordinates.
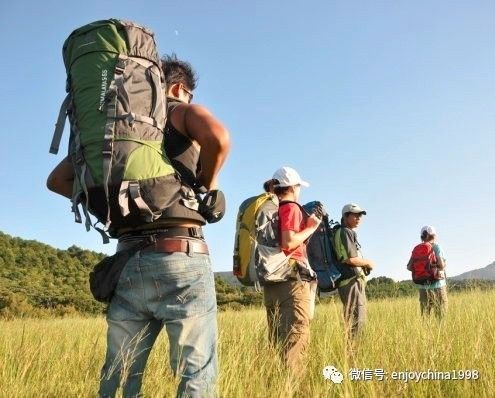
(288, 177)
(429, 229)
(353, 208)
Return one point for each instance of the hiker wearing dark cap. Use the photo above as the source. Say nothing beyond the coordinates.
(353, 268)
(427, 264)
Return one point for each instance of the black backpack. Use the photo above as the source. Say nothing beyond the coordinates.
(321, 254)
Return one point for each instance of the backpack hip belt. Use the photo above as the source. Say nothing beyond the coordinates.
(171, 232)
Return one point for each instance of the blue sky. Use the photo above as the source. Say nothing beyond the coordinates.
(387, 104)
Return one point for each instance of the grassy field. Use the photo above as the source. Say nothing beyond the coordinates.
(62, 357)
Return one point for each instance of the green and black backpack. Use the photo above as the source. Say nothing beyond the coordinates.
(116, 105)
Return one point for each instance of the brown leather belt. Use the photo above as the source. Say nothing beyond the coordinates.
(170, 245)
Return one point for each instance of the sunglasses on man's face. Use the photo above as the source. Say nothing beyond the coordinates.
(189, 94)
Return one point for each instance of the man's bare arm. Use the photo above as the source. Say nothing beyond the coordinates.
(441, 263)
(213, 138)
(360, 262)
(61, 178)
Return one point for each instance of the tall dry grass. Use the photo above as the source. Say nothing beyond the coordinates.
(62, 357)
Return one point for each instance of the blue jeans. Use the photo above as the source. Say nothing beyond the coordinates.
(174, 290)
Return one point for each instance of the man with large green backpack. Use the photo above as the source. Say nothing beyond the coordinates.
(139, 174)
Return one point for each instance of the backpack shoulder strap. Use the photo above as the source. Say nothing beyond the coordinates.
(432, 254)
(286, 202)
(172, 103)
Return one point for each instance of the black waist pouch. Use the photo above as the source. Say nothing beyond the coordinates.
(105, 276)
(305, 273)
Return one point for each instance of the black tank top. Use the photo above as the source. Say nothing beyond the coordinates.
(181, 151)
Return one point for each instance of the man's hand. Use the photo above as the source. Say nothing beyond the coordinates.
(319, 210)
(313, 221)
(360, 262)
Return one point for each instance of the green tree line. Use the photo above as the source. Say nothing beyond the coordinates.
(37, 280)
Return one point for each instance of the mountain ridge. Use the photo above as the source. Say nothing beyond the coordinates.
(485, 273)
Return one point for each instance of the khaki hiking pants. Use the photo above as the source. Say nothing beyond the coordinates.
(433, 299)
(288, 307)
(353, 297)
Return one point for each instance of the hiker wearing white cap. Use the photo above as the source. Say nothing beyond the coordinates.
(289, 303)
(288, 177)
(353, 268)
(427, 264)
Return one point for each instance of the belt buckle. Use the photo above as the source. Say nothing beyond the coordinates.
(195, 232)
(151, 240)
(190, 248)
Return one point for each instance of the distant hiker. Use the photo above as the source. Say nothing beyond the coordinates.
(353, 268)
(288, 303)
(168, 283)
(427, 264)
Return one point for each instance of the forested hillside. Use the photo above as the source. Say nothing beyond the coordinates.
(39, 280)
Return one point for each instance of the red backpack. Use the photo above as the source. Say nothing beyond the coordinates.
(424, 264)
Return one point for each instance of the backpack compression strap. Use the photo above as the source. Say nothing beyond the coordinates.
(79, 163)
(131, 188)
(59, 126)
(116, 87)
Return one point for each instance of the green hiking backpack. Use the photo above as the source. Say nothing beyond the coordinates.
(116, 105)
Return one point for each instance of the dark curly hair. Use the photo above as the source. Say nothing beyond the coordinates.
(279, 190)
(268, 185)
(426, 237)
(177, 71)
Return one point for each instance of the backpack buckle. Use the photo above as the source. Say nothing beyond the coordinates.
(130, 118)
(120, 67)
(107, 146)
(195, 233)
(79, 158)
